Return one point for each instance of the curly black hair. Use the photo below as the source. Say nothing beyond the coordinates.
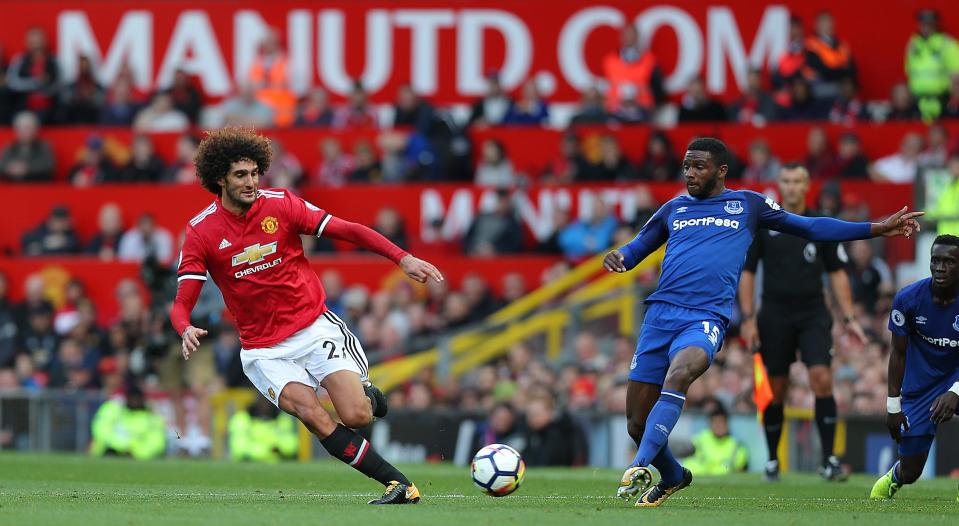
(221, 148)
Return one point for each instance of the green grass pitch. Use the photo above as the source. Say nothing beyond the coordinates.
(77, 491)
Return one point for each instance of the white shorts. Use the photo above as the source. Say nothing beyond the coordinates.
(307, 357)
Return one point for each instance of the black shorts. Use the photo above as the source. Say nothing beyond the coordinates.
(785, 330)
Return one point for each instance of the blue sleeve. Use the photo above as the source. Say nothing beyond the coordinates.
(773, 217)
(899, 315)
(651, 237)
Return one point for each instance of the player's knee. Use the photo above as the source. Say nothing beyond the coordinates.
(820, 381)
(679, 379)
(357, 416)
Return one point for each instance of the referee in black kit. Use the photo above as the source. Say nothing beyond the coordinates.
(794, 318)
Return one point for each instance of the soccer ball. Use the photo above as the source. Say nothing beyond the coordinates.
(498, 470)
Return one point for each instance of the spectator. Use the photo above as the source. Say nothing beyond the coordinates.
(570, 165)
(6, 99)
(146, 240)
(586, 237)
(763, 166)
(73, 368)
(80, 101)
(698, 106)
(659, 163)
(336, 166)
(185, 95)
(551, 439)
(271, 78)
(591, 109)
(634, 67)
(851, 162)
(93, 167)
(932, 60)
(799, 105)
(717, 452)
(829, 58)
(315, 109)
(38, 340)
(245, 109)
(612, 166)
(900, 167)
(492, 108)
(356, 113)
(144, 166)
(502, 427)
(559, 221)
(587, 352)
(792, 64)
(28, 158)
(755, 106)
(514, 288)
(848, 108)
(497, 231)
(390, 225)
(945, 211)
(951, 104)
(495, 168)
(869, 275)
(478, 296)
(262, 434)
(34, 297)
(819, 159)
(106, 242)
(33, 77)
(8, 328)
(120, 106)
(161, 116)
(937, 148)
(285, 169)
(412, 111)
(628, 109)
(529, 110)
(367, 168)
(54, 236)
(183, 171)
(902, 107)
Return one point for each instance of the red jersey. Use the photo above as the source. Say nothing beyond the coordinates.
(257, 262)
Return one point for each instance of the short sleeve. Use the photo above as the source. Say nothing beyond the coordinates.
(834, 256)
(192, 263)
(898, 318)
(754, 254)
(307, 218)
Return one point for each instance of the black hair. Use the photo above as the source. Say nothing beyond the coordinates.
(717, 149)
(794, 165)
(947, 239)
(225, 146)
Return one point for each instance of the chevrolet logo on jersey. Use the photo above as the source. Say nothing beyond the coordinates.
(254, 254)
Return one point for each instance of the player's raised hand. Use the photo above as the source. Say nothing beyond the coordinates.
(896, 423)
(613, 262)
(420, 270)
(902, 223)
(944, 407)
(191, 340)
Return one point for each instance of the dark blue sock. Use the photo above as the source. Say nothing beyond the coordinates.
(670, 470)
(659, 424)
(895, 473)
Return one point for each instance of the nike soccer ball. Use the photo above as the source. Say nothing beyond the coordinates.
(498, 470)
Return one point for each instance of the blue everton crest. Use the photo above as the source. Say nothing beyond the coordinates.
(734, 207)
(955, 324)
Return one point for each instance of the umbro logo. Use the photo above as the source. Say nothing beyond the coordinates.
(920, 320)
(225, 244)
(681, 209)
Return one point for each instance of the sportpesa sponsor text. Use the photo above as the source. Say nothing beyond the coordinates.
(942, 342)
(679, 224)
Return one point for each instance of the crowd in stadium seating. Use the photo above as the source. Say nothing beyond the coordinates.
(815, 80)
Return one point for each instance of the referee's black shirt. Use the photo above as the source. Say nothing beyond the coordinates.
(793, 266)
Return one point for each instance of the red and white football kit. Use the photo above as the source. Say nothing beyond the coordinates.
(277, 300)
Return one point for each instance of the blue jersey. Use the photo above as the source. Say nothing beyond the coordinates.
(707, 240)
(932, 331)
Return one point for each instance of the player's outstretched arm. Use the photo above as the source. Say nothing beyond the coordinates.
(650, 237)
(613, 261)
(420, 270)
(895, 419)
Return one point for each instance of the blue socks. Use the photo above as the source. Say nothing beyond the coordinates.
(895, 473)
(670, 470)
(659, 424)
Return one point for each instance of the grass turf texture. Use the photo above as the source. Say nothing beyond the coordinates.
(77, 491)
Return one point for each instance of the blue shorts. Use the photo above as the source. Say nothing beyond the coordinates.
(667, 329)
(922, 430)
